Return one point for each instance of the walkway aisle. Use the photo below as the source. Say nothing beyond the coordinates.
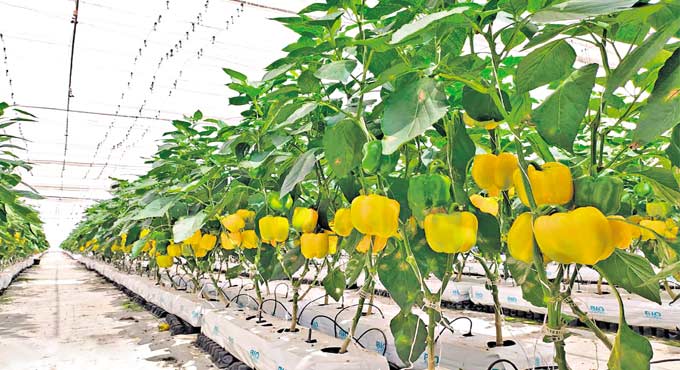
(60, 316)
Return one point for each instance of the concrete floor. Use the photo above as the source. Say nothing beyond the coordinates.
(60, 316)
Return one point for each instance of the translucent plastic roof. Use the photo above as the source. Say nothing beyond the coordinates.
(137, 65)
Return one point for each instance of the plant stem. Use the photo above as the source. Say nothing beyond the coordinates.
(498, 311)
(589, 323)
(555, 323)
(368, 287)
(431, 326)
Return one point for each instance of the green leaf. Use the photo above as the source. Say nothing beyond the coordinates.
(481, 107)
(413, 29)
(399, 278)
(301, 168)
(410, 111)
(307, 82)
(334, 283)
(461, 149)
(673, 150)
(336, 71)
(546, 64)
(428, 260)
(631, 350)
(276, 72)
(157, 208)
(571, 10)
(526, 276)
(299, 113)
(559, 117)
(137, 247)
(488, 233)
(410, 334)
(342, 145)
(238, 76)
(187, 226)
(662, 111)
(630, 271)
(662, 182)
(640, 56)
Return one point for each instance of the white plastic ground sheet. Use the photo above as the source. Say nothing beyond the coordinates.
(8, 274)
(455, 350)
(261, 347)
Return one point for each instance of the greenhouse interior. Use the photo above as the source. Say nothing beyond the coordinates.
(340, 184)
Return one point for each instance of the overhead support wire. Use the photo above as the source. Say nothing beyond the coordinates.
(74, 20)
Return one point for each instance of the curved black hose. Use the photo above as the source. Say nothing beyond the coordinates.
(502, 360)
(305, 306)
(277, 287)
(374, 329)
(247, 295)
(356, 304)
(276, 302)
(449, 323)
(665, 360)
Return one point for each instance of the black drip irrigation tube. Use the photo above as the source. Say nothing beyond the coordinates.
(219, 356)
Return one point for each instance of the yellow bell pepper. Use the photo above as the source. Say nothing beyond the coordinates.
(273, 229)
(471, 122)
(225, 242)
(174, 250)
(195, 239)
(379, 243)
(144, 233)
(451, 233)
(579, 236)
(342, 223)
(657, 209)
(485, 204)
(667, 229)
(164, 261)
(233, 222)
(375, 215)
(332, 244)
(250, 240)
(521, 238)
(304, 219)
(208, 242)
(199, 252)
(123, 239)
(671, 229)
(247, 215)
(551, 185)
(314, 245)
(493, 173)
(623, 232)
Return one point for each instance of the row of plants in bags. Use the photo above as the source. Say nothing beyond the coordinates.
(21, 233)
(407, 136)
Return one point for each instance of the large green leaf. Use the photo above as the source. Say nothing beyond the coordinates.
(488, 233)
(336, 71)
(663, 183)
(157, 208)
(662, 111)
(342, 145)
(673, 150)
(631, 351)
(526, 277)
(481, 106)
(640, 56)
(413, 29)
(546, 64)
(410, 334)
(461, 149)
(299, 113)
(410, 111)
(428, 260)
(301, 168)
(630, 271)
(399, 278)
(572, 10)
(334, 283)
(187, 226)
(559, 117)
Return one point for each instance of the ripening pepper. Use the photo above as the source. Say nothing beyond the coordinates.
(388, 163)
(195, 239)
(493, 173)
(623, 232)
(277, 203)
(579, 236)
(550, 185)
(471, 122)
(233, 222)
(521, 238)
(485, 204)
(226, 243)
(451, 233)
(174, 250)
(379, 243)
(314, 245)
(123, 239)
(199, 252)
(142, 234)
(304, 219)
(426, 192)
(342, 223)
(247, 215)
(208, 242)
(667, 229)
(164, 261)
(273, 229)
(657, 209)
(603, 193)
(332, 244)
(249, 239)
(372, 156)
(375, 215)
